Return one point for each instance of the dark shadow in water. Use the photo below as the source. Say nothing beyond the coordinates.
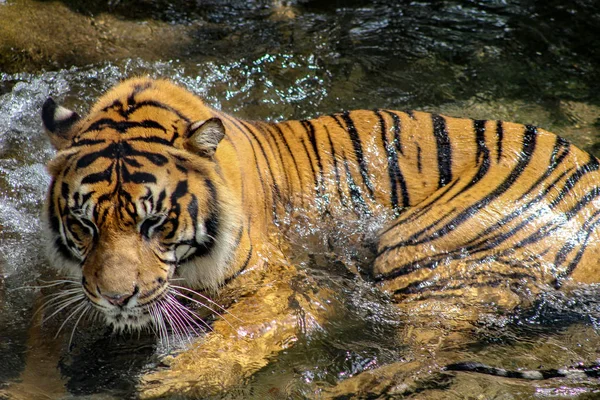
(107, 364)
(434, 51)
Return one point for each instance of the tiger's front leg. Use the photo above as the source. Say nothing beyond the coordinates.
(255, 328)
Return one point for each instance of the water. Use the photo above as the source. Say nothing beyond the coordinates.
(523, 62)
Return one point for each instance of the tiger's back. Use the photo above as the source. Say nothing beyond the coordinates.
(479, 204)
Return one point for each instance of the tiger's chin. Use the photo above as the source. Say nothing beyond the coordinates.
(128, 320)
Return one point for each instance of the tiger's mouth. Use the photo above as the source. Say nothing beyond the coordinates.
(139, 311)
(124, 319)
(172, 312)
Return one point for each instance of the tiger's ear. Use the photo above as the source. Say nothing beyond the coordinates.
(58, 122)
(204, 136)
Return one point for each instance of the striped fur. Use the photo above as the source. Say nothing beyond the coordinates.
(153, 184)
(576, 372)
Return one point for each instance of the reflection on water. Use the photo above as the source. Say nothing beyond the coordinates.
(480, 59)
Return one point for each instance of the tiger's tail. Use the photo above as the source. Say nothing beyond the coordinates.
(575, 372)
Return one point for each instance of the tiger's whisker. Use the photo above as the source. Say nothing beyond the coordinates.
(64, 279)
(187, 309)
(163, 336)
(188, 315)
(184, 321)
(58, 302)
(151, 326)
(51, 284)
(153, 321)
(175, 323)
(73, 313)
(192, 315)
(206, 298)
(176, 292)
(187, 320)
(55, 298)
(63, 305)
(192, 318)
(85, 310)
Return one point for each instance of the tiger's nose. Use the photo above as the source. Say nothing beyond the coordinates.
(119, 299)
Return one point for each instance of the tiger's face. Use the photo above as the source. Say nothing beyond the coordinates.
(136, 202)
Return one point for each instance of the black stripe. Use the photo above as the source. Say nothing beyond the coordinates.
(424, 207)
(358, 150)
(180, 190)
(137, 177)
(55, 222)
(560, 151)
(394, 173)
(242, 130)
(500, 134)
(152, 103)
(192, 210)
(591, 166)
(91, 293)
(118, 150)
(159, 202)
(90, 226)
(480, 279)
(123, 126)
(242, 269)
(136, 90)
(482, 156)
(152, 139)
(341, 195)
(310, 132)
(391, 157)
(212, 222)
(64, 191)
(495, 240)
(310, 164)
(132, 162)
(360, 207)
(86, 197)
(147, 224)
(103, 176)
(289, 150)
(275, 191)
(582, 236)
(444, 149)
(86, 142)
(269, 129)
(397, 129)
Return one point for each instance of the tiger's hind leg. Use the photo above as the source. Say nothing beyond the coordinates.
(479, 246)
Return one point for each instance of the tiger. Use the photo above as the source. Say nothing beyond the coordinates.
(155, 188)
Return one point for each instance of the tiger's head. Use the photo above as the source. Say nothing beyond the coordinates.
(138, 200)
